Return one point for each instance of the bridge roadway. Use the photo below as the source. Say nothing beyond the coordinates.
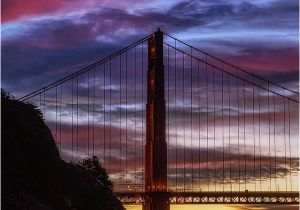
(214, 197)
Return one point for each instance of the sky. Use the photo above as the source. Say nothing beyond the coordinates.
(43, 41)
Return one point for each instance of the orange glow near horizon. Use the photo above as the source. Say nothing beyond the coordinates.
(188, 207)
(220, 206)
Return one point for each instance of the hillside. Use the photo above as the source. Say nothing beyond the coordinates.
(33, 174)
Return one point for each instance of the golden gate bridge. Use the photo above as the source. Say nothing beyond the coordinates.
(173, 124)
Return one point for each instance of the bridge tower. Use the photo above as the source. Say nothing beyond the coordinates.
(156, 145)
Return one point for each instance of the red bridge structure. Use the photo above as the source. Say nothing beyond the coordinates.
(175, 125)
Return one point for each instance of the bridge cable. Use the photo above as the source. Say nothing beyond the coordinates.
(199, 125)
(72, 120)
(259, 137)
(245, 155)
(176, 154)
(191, 77)
(229, 131)
(238, 128)
(207, 169)
(88, 114)
(60, 113)
(269, 117)
(77, 113)
(44, 103)
(135, 116)
(126, 75)
(94, 96)
(83, 70)
(291, 183)
(254, 140)
(223, 135)
(236, 67)
(120, 115)
(183, 116)
(214, 101)
(143, 109)
(168, 112)
(274, 140)
(284, 137)
(233, 75)
(110, 112)
(104, 114)
(56, 129)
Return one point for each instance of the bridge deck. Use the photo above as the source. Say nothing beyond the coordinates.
(215, 197)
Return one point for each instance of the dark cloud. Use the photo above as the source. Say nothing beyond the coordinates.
(51, 46)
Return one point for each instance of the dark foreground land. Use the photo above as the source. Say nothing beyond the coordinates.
(34, 176)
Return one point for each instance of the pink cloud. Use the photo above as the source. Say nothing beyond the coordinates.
(264, 60)
(14, 9)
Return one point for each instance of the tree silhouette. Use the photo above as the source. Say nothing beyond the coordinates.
(96, 170)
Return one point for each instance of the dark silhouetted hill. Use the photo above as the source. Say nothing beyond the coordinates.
(34, 177)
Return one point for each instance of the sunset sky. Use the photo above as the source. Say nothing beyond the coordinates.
(44, 40)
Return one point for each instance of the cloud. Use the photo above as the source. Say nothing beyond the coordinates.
(12, 9)
(56, 42)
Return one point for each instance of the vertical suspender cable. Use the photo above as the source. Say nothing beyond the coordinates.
(135, 116)
(88, 113)
(176, 172)
(143, 108)
(245, 155)
(199, 127)
(269, 117)
(223, 136)
(214, 98)
(259, 138)
(254, 140)
(291, 183)
(110, 110)
(238, 128)
(192, 119)
(60, 113)
(40, 103)
(284, 137)
(183, 107)
(120, 116)
(126, 116)
(72, 110)
(45, 103)
(56, 129)
(229, 133)
(40, 96)
(274, 141)
(104, 114)
(207, 168)
(94, 96)
(168, 113)
(77, 113)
